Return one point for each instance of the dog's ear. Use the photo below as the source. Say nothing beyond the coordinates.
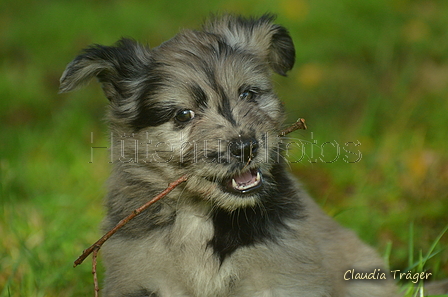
(114, 66)
(272, 42)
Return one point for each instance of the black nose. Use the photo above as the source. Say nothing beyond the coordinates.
(245, 149)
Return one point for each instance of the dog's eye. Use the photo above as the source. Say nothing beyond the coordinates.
(248, 95)
(185, 115)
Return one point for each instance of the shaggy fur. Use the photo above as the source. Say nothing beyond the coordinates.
(203, 104)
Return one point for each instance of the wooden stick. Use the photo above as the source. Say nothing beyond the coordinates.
(299, 124)
(97, 245)
(95, 276)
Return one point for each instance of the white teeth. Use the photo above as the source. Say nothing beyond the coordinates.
(234, 184)
(243, 187)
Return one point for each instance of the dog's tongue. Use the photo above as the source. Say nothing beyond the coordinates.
(245, 178)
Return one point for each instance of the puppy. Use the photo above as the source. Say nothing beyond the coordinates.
(203, 104)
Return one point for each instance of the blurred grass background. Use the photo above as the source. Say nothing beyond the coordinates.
(368, 72)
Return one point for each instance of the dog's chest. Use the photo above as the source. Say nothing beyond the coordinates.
(197, 266)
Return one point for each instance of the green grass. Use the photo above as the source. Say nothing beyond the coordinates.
(413, 287)
(373, 72)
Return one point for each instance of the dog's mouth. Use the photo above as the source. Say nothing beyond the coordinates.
(245, 182)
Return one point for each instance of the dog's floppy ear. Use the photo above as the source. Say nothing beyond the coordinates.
(272, 42)
(114, 66)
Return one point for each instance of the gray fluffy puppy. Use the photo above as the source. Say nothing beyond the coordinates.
(203, 104)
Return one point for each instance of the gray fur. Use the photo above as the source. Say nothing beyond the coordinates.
(203, 239)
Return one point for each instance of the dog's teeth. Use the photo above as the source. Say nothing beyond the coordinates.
(243, 186)
(234, 184)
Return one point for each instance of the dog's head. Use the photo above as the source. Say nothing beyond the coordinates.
(207, 95)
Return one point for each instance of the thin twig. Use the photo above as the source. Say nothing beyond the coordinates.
(299, 124)
(95, 276)
(97, 245)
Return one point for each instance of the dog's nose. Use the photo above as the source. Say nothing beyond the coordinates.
(244, 149)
